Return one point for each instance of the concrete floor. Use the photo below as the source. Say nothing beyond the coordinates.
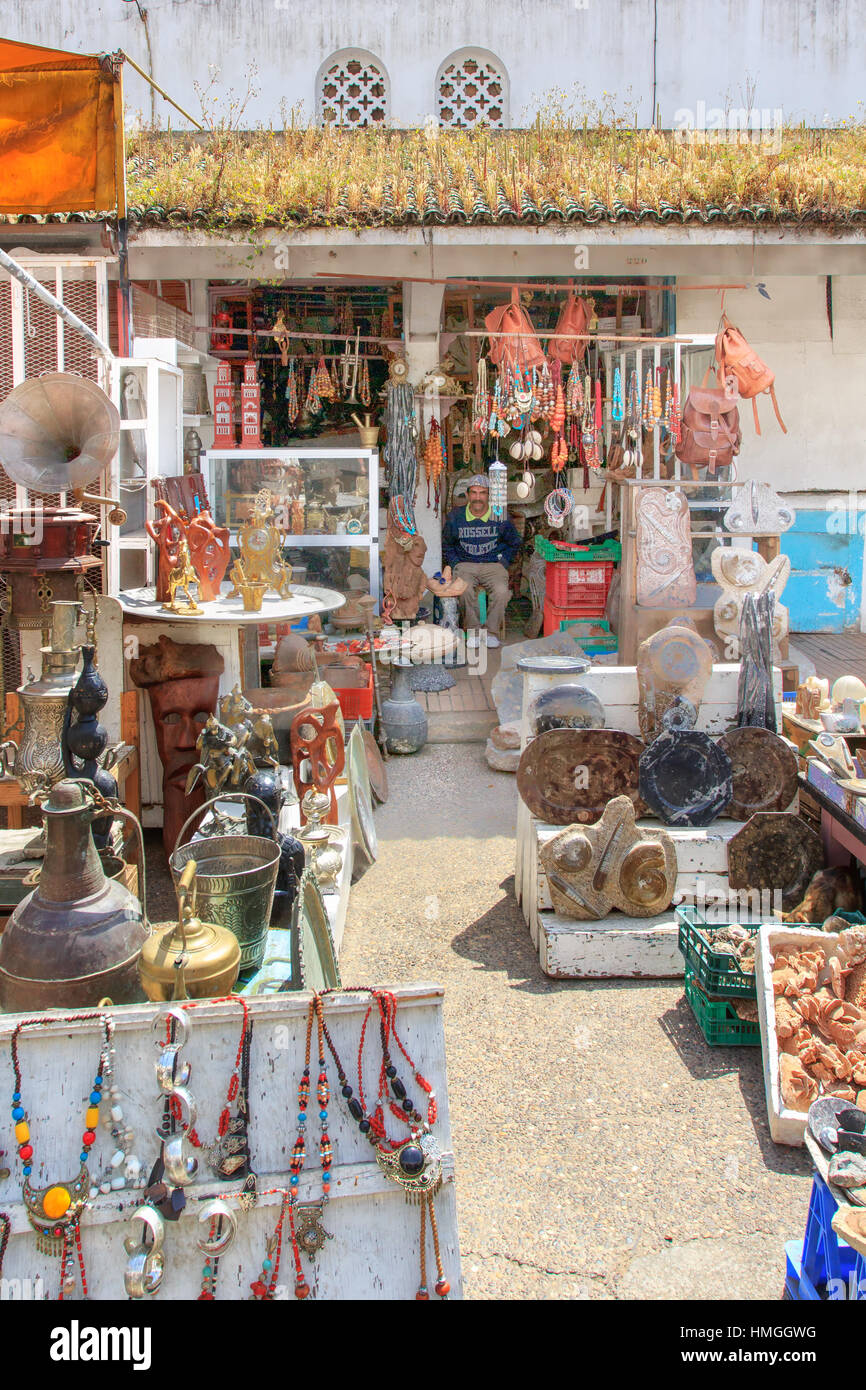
(603, 1149)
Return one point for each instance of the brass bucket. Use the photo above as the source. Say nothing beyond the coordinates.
(235, 880)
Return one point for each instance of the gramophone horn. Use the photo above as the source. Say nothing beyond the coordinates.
(58, 433)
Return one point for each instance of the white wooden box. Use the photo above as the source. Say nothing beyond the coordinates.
(617, 947)
(786, 1126)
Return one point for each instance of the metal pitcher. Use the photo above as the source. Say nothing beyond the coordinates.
(235, 880)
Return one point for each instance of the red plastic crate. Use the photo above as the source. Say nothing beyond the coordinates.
(570, 582)
(356, 704)
(554, 615)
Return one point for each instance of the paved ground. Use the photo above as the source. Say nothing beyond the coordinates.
(603, 1150)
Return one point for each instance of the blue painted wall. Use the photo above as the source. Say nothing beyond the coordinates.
(826, 550)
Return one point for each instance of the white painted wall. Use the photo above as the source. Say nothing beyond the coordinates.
(819, 379)
(803, 56)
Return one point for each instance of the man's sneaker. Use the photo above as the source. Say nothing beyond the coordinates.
(473, 639)
(493, 641)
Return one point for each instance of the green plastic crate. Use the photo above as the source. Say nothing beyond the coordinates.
(593, 646)
(717, 1019)
(586, 550)
(716, 971)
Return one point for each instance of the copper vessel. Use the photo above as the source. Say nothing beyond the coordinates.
(77, 937)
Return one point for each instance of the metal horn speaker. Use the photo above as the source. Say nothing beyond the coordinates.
(58, 433)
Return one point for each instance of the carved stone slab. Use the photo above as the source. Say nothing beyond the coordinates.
(765, 772)
(569, 775)
(612, 864)
(685, 778)
(674, 661)
(665, 574)
(775, 851)
(755, 701)
(741, 572)
(565, 707)
(758, 511)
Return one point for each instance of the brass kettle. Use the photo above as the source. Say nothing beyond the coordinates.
(189, 959)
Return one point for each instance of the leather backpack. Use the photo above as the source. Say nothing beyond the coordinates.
(521, 346)
(710, 430)
(575, 316)
(734, 358)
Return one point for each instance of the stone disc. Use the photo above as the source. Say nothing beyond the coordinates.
(685, 778)
(568, 776)
(775, 851)
(765, 771)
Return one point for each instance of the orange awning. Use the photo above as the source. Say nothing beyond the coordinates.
(58, 139)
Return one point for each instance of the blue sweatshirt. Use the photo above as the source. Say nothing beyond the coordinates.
(468, 539)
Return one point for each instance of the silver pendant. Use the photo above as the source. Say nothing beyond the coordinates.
(416, 1165)
(309, 1231)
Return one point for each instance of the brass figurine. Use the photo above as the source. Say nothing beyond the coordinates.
(179, 580)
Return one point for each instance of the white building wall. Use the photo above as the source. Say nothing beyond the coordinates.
(804, 57)
(820, 380)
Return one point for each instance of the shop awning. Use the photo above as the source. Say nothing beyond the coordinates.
(59, 141)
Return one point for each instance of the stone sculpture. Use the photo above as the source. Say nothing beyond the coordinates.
(594, 869)
(742, 572)
(674, 661)
(755, 699)
(684, 777)
(758, 511)
(665, 573)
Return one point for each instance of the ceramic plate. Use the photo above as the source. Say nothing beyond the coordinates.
(569, 775)
(765, 772)
(375, 768)
(317, 958)
(360, 805)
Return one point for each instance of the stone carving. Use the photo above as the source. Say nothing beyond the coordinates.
(808, 702)
(402, 562)
(565, 707)
(755, 700)
(684, 777)
(318, 754)
(777, 852)
(665, 576)
(741, 572)
(674, 661)
(765, 771)
(182, 682)
(611, 864)
(758, 511)
(210, 552)
(568, 775)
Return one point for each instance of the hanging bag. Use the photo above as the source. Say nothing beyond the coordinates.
(710, 430)
(521, 346)
(734, 358)
(574, 317)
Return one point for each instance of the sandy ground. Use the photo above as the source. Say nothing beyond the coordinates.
(603, 1150)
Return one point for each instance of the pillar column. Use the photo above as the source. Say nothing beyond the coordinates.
(422, 317)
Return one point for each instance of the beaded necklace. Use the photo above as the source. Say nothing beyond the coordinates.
(415, 1163)
(55, 1212)
(312, 1235)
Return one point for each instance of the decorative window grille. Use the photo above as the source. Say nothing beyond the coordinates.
(353, 90)
(472, 91)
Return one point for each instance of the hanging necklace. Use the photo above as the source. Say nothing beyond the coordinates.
(415, 1163)
(229, 1156)
(364, 386)
(291, 393)
(309, 1232)
(312, 404)
(55, 1212)
(616, 408)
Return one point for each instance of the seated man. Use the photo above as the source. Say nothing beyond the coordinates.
(480, 550)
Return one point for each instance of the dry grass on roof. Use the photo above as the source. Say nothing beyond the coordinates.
(315, 177)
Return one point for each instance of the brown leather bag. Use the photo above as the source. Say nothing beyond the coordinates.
(734, 358)
(710, 432)
(575, 315)
(521, 345)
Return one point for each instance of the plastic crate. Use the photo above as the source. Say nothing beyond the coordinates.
(578, 550)
(356, 703)
(718, 1020)
(578, 583)
(717, 972)
(554, 615)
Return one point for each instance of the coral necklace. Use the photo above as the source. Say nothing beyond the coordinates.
(55, 1212)
(415, 1163)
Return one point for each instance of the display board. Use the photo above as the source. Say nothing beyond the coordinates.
(374, 1253)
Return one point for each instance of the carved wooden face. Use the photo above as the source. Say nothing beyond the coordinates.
(180, 711)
